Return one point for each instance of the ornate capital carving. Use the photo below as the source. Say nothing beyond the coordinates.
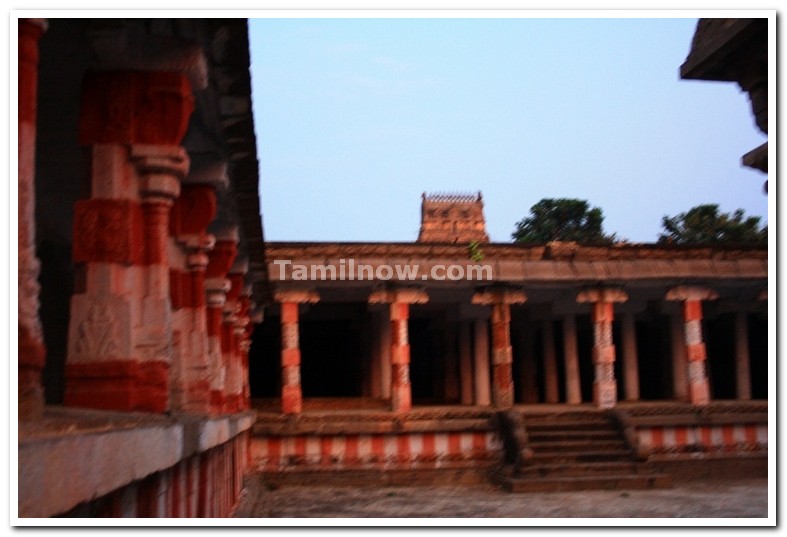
(296, 296)
(132, 107)
(602, 294)
(400, 295)
(689, 292)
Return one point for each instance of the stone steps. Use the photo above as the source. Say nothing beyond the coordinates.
(578, 451)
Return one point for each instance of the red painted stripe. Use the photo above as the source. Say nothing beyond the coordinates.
(728, 434)
(300, 446)
(189, 486)
(681, 436)
(454, 444)
(326, 443)
(657, 436)
(378, 448)
(429, 446)
(403, 447)
(351, 448)
(479, 442)
(705, 436)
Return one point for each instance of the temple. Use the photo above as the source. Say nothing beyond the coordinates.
(167, 352)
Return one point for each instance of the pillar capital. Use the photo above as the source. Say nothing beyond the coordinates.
(145, 107)
(399, 295)
(498, 295)
(296, 296)
(691, 292)
(602, 294)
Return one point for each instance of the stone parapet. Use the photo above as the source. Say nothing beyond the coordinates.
(124, 448)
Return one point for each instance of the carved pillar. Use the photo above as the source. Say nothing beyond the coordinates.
(217, 285)
(120, 336)
(385, 353)
(551, 388)
(630, 360)
(246, 329)
(399, 301)
(233, 330)
(291, 392)
(605, 388)
(692, 297)
(32, 353)
(191, 214)
(571, 360)
(502, 377)
(742, 358)
(481, 362)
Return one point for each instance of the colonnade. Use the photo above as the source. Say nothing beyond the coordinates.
(482, 350)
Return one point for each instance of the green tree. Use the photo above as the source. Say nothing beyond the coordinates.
(562, 219)
(705, 225)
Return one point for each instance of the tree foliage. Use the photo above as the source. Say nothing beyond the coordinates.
(705, 225)
(562, 219)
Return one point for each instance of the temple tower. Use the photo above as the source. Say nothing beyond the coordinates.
(455, 218)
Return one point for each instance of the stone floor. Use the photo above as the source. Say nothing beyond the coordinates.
(738, 498)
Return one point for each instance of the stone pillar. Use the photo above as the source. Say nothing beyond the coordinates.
(678, 352)
(120, 335)
(571, 360)
(551, 389)
(246, 326)
(399, 300)
(32, 352)
(630, 364)
(217, 285)
(692, 297)
(385, 353)
(291, 392)
(191, 214)
(481, 362)
(605, 388)
(742, 359)
(465, 363)
(502, 377)
(233, 330)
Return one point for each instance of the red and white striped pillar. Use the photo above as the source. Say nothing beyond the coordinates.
(220, 260)
(697, 377)
(502, 356)
(32, 352)
(291, 392)
(399, 300)
(605, 387)
(190, 243)
(233, 332)
(120, 334)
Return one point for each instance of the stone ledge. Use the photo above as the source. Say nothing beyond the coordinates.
(76, 455)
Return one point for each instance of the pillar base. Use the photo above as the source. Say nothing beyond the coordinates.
(291, 400)
(699, 393)
(118, 385)
(605, 394)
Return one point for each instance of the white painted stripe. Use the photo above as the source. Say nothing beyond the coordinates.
(390, 447)
(669, 437)
(716, 436)
(762, 434)
(645, 437)
(739, 434)
(466, 442)
(416, 444)
(338, 447)
(364, 447)
(312, 449)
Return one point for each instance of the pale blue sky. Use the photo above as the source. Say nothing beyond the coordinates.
(356, 117)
